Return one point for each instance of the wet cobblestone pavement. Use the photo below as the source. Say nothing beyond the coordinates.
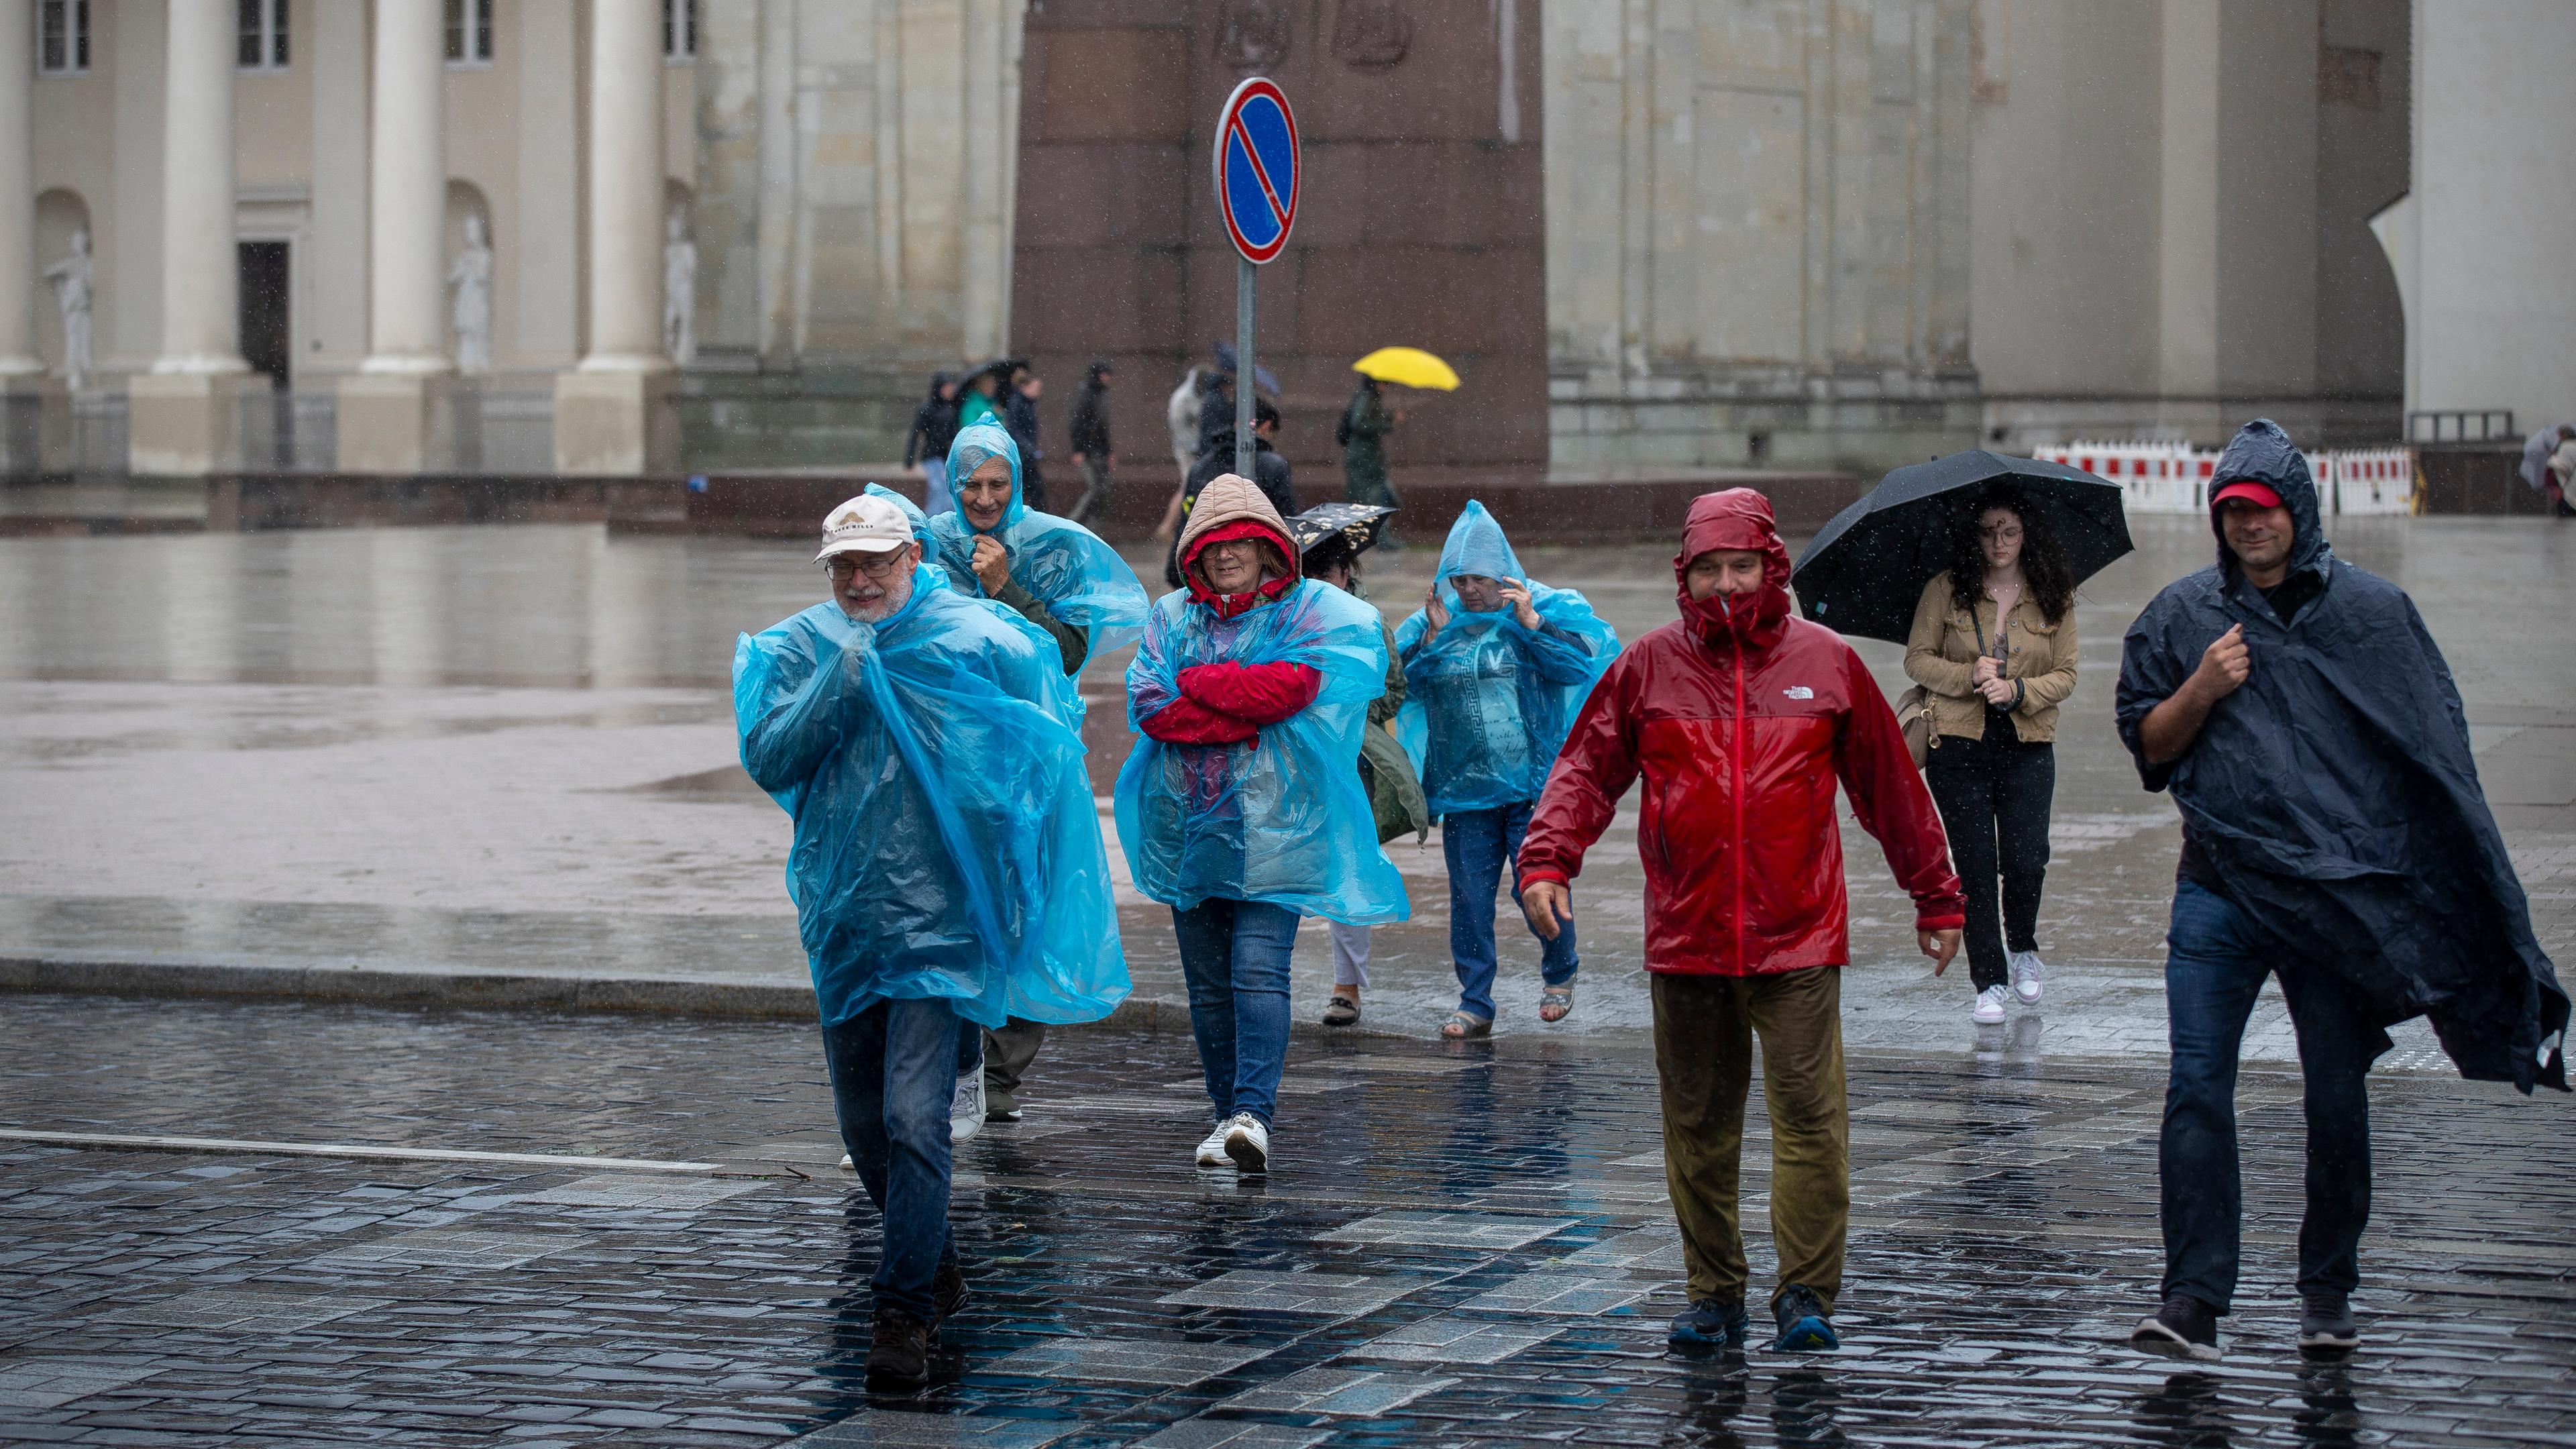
(1460, 1246)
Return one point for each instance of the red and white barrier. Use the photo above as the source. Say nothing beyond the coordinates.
(2175, 477)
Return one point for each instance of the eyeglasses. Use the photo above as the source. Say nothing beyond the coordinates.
(2006, 533)
(842, 565)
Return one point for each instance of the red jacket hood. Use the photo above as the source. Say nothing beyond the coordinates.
(1738, 518)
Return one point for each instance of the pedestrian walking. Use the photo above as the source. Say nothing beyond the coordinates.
(1020, 416)
(932, 889)
(1994, 648)
(1270, 470)
(979, 398)
(1332, 537)
(934, 427)
(2334, 835)
(1062, 578)
(1737, 715)
(1181, 414)
(1361, 435)
(1495, 665)
(1241, 806)
(1090, 436)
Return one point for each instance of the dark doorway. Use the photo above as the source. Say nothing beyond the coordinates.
(264, 332)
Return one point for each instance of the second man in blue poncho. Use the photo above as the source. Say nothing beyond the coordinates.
(1495, 666)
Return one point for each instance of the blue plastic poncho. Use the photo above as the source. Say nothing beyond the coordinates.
(1283, 820)
(1062, 564)
(913, 515)
(1488, 703)
(946, 840)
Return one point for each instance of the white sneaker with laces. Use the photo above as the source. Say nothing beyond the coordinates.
(1989, 1010)
(1248, 1143)
(1212, 1147)
(2027, 968)
(847, 1165)
(966, 1109)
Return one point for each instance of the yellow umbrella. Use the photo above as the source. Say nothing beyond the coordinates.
(1407, 367)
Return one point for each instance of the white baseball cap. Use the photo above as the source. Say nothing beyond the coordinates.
(865, 524)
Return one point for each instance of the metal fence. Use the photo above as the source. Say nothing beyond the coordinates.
(509, 433)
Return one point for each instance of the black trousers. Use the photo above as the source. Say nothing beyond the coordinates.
(1994, 795)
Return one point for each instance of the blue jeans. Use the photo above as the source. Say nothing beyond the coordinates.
(934, 487)
(893, 1069)
(2214, 968)
(1235, 956)
(1477, 843)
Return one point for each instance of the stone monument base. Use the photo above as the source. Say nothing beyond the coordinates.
(187, 424)
(616, 423)
(396, 422)
(35, 426)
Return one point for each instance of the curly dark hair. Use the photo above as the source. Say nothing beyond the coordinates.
(2043, 562)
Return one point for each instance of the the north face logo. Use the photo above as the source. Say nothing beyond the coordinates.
(1799, 691)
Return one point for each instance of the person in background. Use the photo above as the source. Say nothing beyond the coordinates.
(1020, 416)
(934, 427)
(1739, 717)
(932, 891)
(1270, 472)
(2334, 835)
(1241, 806)
(979, 398)
(1495, 666)
(1361, 435)
(2562, 476)
(1333, 536)
(1181, 413)
(2537, 452)
(1994, 648)
(1090, 436)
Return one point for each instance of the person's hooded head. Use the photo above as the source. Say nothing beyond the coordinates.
(1733, 571)
(943, 386)
(984, 474)
(2263, 503)
(1098, 374)
(1475, 563)
(1236, 551)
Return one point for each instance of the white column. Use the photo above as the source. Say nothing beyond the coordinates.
(626, 188)
(17, 192)
(199, 270)
(407, 199)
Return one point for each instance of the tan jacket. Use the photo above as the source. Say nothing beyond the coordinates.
(1943, 650)
(1229, 499)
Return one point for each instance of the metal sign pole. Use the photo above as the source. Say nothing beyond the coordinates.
(1245, 374)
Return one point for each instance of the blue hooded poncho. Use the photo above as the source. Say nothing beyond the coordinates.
(946, 840)
(1284, 819)
(1062, 564)
(2333, 797)
(1488, 703)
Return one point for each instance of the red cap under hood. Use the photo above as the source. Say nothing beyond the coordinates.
(1738, 518)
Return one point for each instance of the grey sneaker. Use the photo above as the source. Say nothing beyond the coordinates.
(2026, 969)
(2184, 1328)
(966, 1109)
(2326, 1329)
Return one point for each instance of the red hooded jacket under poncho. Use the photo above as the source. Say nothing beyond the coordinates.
(1741, 718)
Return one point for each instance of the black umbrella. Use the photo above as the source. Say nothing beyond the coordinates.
(1866, 571)
(1358, 523)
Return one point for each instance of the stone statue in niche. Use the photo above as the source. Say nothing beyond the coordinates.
(471, 276)
(1371, 33)
(70, 277)
(679, 290)
(1253, 34)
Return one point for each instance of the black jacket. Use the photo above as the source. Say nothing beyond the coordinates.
(1089, 425)
(1020, 420)
(2332, 797)
(934, 427)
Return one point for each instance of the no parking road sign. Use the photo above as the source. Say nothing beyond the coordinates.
(1257, 168)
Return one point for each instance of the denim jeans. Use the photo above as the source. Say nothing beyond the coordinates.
(934, 487)
(2214, 968)
(893, 1069)
(1235, 956)
(1478, 843)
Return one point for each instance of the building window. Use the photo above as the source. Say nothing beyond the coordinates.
(679, 30)
(62, 37)
(469, 32)
(263, 34)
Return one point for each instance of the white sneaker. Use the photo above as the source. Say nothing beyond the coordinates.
(1248, 1143)
(1212, 1147)
(1989, 1010)
(966, 1109)
(2026, 971)
(847, 1165)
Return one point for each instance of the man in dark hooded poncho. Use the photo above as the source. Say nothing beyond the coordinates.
(2333, 833)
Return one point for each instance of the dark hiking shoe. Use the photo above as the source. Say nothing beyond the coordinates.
(948, 1290)
(2184, 1328)
(1710, 1325)
(2326, 1329)
(898, 1352)
(1805, 1326)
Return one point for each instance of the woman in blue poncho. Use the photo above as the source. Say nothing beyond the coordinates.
(1241, 807)
(1060, 576)
(1495, 665)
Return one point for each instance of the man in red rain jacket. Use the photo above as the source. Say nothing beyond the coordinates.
(1741, 717)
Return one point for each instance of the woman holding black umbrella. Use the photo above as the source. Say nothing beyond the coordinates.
(1994, 648)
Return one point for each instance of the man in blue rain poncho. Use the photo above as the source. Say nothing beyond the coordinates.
(1495, 666)
(1061, 577)
(1241, 807)
(947, 865)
